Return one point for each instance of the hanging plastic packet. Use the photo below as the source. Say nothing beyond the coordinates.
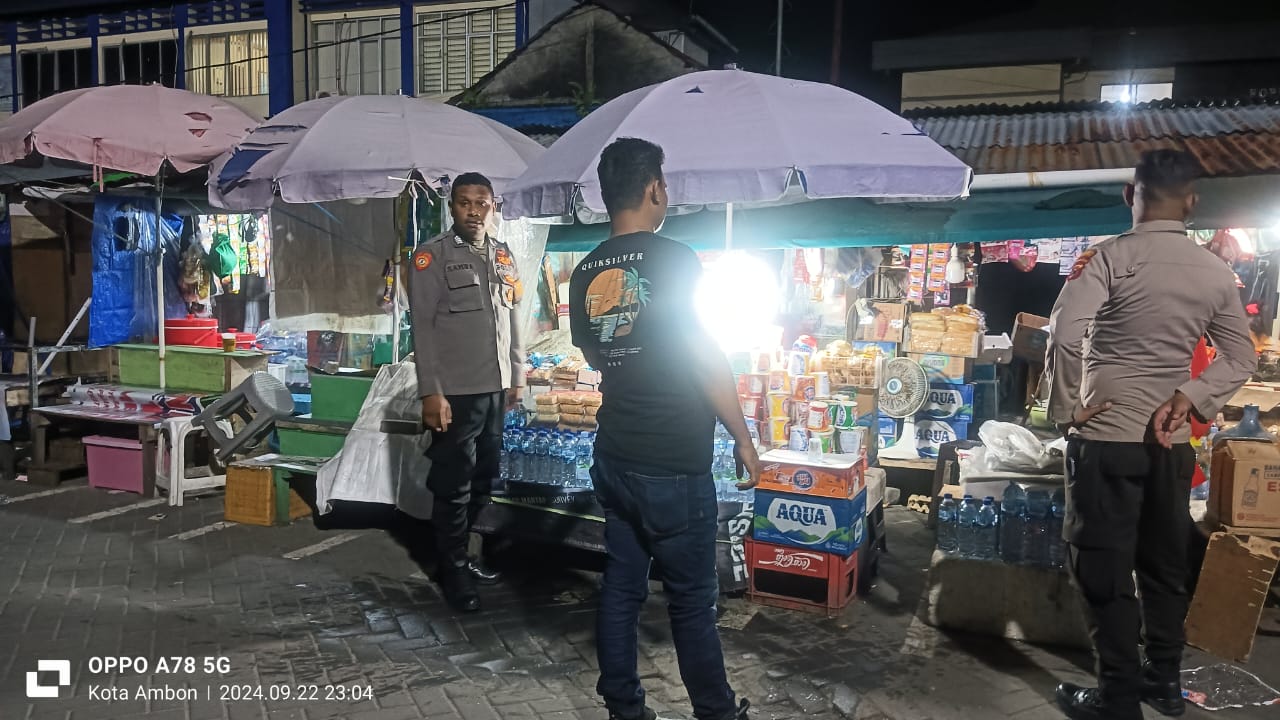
(1223, 686)
(388, 287)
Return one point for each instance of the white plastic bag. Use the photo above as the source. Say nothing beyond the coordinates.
(377, 467)
(1013, 448)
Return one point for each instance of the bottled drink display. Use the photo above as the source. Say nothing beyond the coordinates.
(564, 459)
(1057, 552)
(1035, 548)
(967, 526)
(947, 523)
(1013, 523)
(985, 527)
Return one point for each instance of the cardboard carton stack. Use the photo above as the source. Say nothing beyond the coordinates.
(567, 410)
(945, 343)
(810, 521)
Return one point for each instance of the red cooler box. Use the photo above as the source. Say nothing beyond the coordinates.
(114, 463)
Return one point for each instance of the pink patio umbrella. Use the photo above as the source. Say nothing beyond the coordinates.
(129, 128)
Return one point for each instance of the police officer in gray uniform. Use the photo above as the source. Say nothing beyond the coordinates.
(1121, 339)
(463, 296)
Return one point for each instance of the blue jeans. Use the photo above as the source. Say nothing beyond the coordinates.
(651, 515)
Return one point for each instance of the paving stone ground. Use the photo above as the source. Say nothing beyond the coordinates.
(356, 631)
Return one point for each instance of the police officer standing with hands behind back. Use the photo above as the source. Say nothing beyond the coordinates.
(463, 296)
(1121, 339)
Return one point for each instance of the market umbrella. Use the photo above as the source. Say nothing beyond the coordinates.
(131, 128)
(365, 146)
(733, 136)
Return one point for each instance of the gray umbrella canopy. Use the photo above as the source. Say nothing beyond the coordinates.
(363, 146)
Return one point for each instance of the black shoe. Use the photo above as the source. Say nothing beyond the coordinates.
(645, 714)
(1080, 703)
(1162, 694)
(483, 574)
(459, 588)
(741, 712)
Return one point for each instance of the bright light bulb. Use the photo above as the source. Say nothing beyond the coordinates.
(737, 300)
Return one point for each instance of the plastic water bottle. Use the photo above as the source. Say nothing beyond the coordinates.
(514, 444)
(504, 457)
(947, 540)
(986, 525)
(1035, 549)
(541, 462)
(528, 462)
(1057, 546)
(966, 527)
(569, 467)
(1013, 522)
(583, 457)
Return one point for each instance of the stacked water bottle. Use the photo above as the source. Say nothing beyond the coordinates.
(1026, 529)
(549, 457)
(724, 469)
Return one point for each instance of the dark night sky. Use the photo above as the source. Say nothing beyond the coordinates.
(750, 25)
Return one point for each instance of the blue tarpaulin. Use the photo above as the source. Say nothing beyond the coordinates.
(124, 306)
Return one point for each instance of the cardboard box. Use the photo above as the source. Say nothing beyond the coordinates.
(889, 349)
(886, 431)
(996, 349)
(789, 471)
(1231, 594)
(1246, 484)
(1030, 337)
(948, 402)
(885, 324)
(944, 368)
(816, 523)
(933, 434)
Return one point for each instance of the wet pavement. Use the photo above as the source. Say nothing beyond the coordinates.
(235, 621)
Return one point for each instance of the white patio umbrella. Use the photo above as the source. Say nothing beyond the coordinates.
(732, 136)
(365, 146)
(131, 128)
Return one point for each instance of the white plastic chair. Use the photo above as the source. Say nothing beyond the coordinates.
(171, 459)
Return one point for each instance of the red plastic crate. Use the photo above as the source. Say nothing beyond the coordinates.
(799, 579)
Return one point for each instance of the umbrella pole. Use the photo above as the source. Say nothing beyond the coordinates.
(160, 278)
(728, 227)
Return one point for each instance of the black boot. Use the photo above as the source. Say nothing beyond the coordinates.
(741, 712)
(645, 714)
(1162, 691)
(459, 586)
(482, 573)
(1079, 703)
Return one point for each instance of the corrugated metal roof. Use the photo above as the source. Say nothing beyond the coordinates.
(1229, 141)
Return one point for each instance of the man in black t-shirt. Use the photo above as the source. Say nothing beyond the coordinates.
(631, 304)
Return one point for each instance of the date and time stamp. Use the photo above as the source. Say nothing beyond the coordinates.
(177, 678)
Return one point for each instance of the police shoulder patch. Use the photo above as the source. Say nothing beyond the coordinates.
(1080, 263)
(422, 259)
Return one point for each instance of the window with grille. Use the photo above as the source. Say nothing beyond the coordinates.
(360, 56)
(47, 72)
(140, 63)
(228, 65)
(7, 89)
(458, 48)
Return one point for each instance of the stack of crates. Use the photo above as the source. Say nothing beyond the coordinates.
(810, 523)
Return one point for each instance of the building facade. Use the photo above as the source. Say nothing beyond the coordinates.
(1003, 65)
(266, 55)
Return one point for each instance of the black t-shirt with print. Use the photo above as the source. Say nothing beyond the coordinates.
(632, 311)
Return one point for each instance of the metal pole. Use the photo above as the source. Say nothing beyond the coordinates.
(33, 377)
(837, 38)
(777, 61)
(67, 333)
(728, 227)
(160, 277)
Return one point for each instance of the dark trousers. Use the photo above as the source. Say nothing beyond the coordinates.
(1127, 512)
(651, 515)
(464, 462)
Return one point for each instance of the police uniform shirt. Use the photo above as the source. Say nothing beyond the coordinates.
(1126, 324)
(465, 330)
